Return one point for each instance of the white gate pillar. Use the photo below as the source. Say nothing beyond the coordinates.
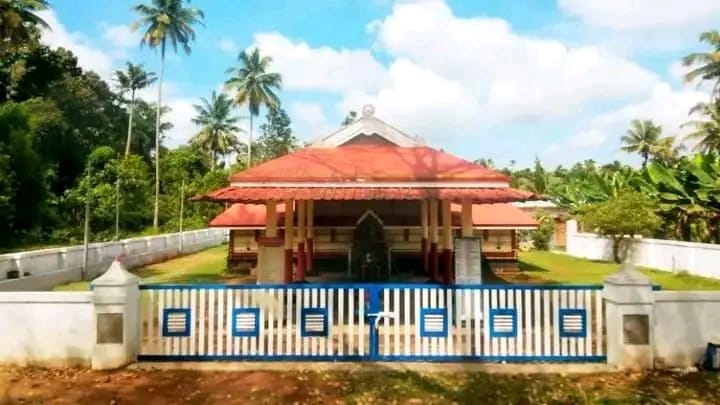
(629, 318)
(116, 295)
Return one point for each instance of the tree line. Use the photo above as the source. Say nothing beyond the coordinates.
(674, 194)
(68, 138)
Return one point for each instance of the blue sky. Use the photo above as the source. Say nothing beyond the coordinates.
(507, 80)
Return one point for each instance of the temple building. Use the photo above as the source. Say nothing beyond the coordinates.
(368, 203)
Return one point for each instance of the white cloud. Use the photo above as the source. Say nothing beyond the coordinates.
(309, 121)
(643, 15)
(227, 45)
(420, 102)
(512, 75)
(89, 58)
(587, 139)
(180, 115)
(665, 107)
(320, 69)
(120, 36)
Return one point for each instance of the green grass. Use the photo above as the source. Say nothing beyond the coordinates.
(203, 267)
(558, 268)
(537, 266)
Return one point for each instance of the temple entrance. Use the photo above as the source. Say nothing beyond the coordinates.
(369, 254)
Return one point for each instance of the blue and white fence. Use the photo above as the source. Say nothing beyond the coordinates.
(341, 322)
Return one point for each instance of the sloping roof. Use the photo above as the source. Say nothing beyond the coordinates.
(474, 195)
(241, 215)
(501, 215)
(358, 163)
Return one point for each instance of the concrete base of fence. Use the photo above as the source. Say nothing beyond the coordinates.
(474, 367)
(47, 268)
(43, 282)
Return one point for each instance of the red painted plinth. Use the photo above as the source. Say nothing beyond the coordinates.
(424, 255)
(288, 269)
(434, 263)
(448, 270)
(310, 256)
(301, 261)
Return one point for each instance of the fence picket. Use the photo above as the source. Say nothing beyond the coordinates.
(539, 311)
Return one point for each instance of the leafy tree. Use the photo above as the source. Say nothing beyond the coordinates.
(709, 62)
(666, 151)
(277, 138)
(19, 22)
(706, 132)
(541, 236)
(539, 181)
(98, 184)
(487, 162)
(165, 21)
(132, 79)
(22, 179)
(642, 137)
(218, 126)
(144, 129)
(254, 86)
(621, 218)
(349, 118)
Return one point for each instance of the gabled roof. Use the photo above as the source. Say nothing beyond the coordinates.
(358, 163)
(368, 125)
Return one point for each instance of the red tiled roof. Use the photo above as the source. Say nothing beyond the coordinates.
(501, 215)
(245, 215)
(475, 195)
(368, 163)
(484, 215)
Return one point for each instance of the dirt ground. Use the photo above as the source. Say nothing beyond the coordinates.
(80, 386)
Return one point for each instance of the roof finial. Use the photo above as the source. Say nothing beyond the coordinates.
(368, 110)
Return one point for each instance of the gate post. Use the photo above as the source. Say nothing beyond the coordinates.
(116, 295)
(629, 303)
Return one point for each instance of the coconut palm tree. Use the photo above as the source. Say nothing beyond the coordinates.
(642, 137)
(18, 21)
(218, 126)
(666, 151)
(254, 86)
(706, 132)
(706, 64)
(132, 79)
(166, 22)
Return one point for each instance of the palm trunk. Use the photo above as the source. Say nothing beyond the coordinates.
(250, 139)
(212, 160)
(130, 120)
(156, 214)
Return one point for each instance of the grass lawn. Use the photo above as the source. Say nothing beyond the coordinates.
(376, 385)
(203, 267)
(558, 268)
(537, 267)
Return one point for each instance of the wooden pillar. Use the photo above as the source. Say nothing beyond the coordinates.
(301, 260)
(270, 219)
(447, 243)
(310, 236)
(424, 239)
(231, 248)
(466, 225)
(289, 234)
(434, 260)
(514, 243)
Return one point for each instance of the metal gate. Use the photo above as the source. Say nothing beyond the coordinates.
(374, 322)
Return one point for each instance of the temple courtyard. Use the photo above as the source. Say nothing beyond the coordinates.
(536, 267)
